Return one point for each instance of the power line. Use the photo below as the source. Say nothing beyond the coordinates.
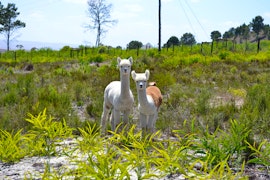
(196, 18)
(186, 16)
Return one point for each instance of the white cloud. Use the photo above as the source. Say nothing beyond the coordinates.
(134, 8)
(76, 1)
(166, 1)
(127, 11)
(230, 24)
(266, 15)
(36, 15)
(195, 1)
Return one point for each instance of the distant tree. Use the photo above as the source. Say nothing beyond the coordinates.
(173, 41)
(134, 45)
(100, 15)
(237, 32)
(188, 39)
(65, 48)
(266, 31)
(244, 31)
(19, 46)
(226, 35)
(8, 22)
(215, 35)
(230, 34)
(257, 25)
(1, 12)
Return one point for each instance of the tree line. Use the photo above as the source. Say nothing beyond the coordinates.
(100, 14)
(243, 32)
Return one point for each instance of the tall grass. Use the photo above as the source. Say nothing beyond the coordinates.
(211, 131)
(126, 154)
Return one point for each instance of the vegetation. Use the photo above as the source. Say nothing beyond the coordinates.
(188, 39)
(173, 41)
(100, 17)
(213, 123)
(134, 45)
(8, 22)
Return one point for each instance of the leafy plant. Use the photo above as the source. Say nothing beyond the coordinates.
(12, 146)
(45, 132)
(222, 145)
(172, 158)
(261, 153)
(90, 138)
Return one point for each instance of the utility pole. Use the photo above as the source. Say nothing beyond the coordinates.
(159, 26)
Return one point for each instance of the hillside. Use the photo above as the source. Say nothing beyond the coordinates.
(28, 45)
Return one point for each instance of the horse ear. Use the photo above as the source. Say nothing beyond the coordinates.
(130, 60)
(133, 75)
(118, 60)
(147, 74)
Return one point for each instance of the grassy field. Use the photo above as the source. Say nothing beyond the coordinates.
(213, 123)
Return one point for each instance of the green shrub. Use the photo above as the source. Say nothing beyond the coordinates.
(45, 132)
(223, 55)
(12, 146)
(256, 110)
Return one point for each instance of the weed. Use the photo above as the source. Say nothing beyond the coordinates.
(12, 146)
(45, 132)
(260, 153)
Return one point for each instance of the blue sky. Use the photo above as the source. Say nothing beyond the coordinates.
(63, 21)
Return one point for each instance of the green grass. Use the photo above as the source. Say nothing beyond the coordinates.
(117, 156)
(212, 134)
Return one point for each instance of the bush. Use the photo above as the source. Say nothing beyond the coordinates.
(256, 110)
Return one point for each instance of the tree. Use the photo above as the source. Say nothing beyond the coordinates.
(266, 31)
(215, 35)
(257, 25)
(1, 12)
(134, 45)
(19, 46)
(173, 41)
(188, 39)
(229, 34)
(8, 22)
(100, 15)
(244, 31)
